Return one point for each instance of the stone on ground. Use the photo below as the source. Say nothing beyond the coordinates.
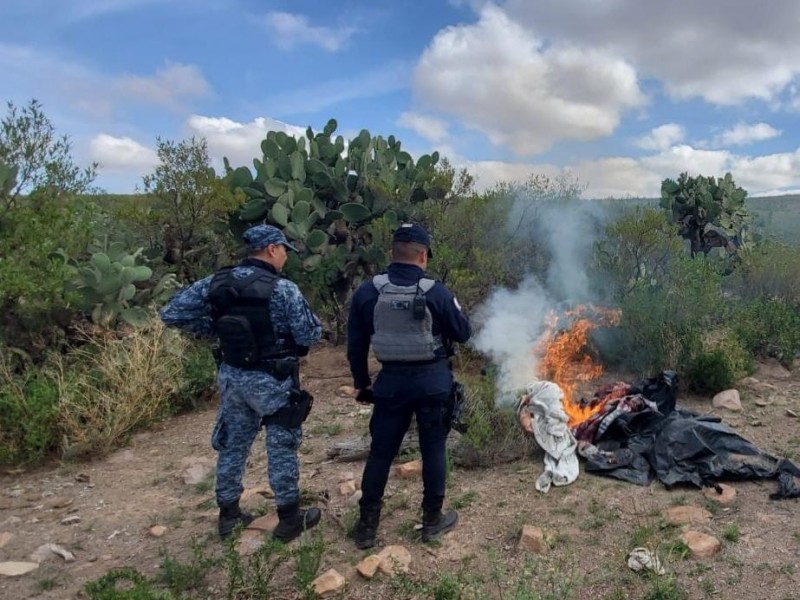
(13, 568)
(532, 540)
(685, 515)
(368, 566)
(726, 495)
(728, 399)
(409, 470)
(394, 559)
(701, 544)
(329, 583)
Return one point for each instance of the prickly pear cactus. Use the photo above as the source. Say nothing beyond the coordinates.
(106, 286)
(337, 201)
(710, 212)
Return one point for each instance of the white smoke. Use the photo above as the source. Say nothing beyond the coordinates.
(510, 322)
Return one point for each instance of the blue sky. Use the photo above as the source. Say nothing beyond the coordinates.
(618, 93)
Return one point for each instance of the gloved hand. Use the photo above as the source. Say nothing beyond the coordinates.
(365, 396)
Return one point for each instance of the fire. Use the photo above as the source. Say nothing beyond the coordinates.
(564, 355)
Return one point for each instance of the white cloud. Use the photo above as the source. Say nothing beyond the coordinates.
(430, 128)
(623, 177)
(122, 154)
(168, 87)
(743, 134)
(60, 80)
(500, 79)
(662, 137)
(239, 142)
(290, 30)
(724, 51)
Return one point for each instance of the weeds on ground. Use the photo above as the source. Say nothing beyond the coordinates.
(665, 587)
(329, 429)
(251, 577)
(732, 533)
(182, 577)
(126, 584)
(464, 500)
(308, 559)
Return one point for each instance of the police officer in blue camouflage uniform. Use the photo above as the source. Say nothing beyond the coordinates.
(410, 321)
(263, 324)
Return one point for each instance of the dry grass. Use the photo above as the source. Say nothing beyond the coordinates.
(121, 384)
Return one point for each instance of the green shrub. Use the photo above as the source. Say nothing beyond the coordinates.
(710, 372)
(28, 415)
(771, 270)
(769, 327)
(198, 379)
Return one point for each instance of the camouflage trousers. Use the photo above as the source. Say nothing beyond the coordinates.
(238, 422)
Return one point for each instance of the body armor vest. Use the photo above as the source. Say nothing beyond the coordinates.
(241, 313)
(403, 323)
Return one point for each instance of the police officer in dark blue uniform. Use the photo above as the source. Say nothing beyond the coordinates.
(410, 321)
(263, 324)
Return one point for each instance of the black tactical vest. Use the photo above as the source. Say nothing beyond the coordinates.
(241, 313)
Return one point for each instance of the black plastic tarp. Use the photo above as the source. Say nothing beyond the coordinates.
(678, 446)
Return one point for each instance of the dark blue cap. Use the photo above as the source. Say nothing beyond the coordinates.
(411, 232)
(261, 236)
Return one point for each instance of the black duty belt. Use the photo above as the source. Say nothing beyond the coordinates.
(280, 368)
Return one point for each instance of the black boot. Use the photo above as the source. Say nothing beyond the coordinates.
(230, 515)
(366, 529)
(292, 521)
(436, 523)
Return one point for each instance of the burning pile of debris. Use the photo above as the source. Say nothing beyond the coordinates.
(634, 432)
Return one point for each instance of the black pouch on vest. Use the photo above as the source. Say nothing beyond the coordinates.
(237, 342)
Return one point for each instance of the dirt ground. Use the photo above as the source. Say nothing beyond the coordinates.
(591, 524)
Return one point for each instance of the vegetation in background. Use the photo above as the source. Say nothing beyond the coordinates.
(78, 336)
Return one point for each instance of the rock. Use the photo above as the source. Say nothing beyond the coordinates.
(347, 488)
(45, 551)
(772, 369)
(197, 470)
(346, 391)
(256, 495)
(329, 583)
(791, 413)
(642, 559)
(5, 537)
(266, 523)
(761, 402)
(249, 541)
(749, 382)
(353, 500)
(532, 540)
(409, 470)
(368, 566)
(684, 515)
(347, 476)
(701, 544)
(157, 531)
(13, 568)
(12, 520)
(726, 495)
(729, 399)
(58, 502)
(71, 520)
(394, 559)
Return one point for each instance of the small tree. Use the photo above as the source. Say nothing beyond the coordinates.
(43, 160)
(41, 219)
(188, 209)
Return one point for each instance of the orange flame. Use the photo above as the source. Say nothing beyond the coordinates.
(565, 359)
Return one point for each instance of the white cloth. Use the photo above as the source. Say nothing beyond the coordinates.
(544, 402)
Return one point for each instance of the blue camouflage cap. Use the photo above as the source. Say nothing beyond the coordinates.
(411, 232)
(261, 236)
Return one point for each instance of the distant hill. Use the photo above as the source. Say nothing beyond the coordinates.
(777, 216)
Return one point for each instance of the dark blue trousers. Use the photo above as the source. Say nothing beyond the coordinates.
(400, 394)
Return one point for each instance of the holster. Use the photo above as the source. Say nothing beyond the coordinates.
(294, 414)
(456, 404)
